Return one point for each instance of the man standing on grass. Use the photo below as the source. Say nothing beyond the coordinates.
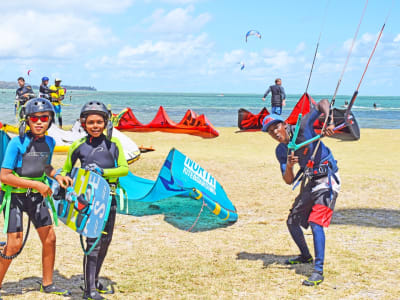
(319, 180)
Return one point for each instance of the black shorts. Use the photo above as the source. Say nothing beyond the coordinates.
(34, 205)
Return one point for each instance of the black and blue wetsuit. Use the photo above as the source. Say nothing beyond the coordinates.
(316, 201)
(108, 155)
(30, 158)
(45, 91)
(277, 95)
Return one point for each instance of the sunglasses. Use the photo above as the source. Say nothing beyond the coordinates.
(34, 119)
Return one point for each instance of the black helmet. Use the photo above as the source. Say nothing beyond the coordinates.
(97, 107)
(35, 105)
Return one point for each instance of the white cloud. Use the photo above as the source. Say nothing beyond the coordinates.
(34, 34)
(177, 21)
(300, 47)
(397, 38)
(67, 6)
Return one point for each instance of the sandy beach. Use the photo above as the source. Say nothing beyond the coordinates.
(151, 259)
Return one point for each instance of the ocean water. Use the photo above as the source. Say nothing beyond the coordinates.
(220, 109)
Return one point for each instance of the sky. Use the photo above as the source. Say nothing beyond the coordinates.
(197, 45)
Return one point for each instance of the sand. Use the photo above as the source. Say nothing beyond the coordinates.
(151, 259)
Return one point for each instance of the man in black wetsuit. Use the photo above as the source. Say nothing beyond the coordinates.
(23, 94)
(278, 97)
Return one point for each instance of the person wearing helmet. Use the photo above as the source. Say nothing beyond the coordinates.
(320, 184)
(110, 163)
(26, 163)
(57, 96)
(44, 90)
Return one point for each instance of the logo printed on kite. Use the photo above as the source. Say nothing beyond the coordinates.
(198, 174)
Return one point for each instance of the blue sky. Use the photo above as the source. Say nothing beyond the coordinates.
(195, 45)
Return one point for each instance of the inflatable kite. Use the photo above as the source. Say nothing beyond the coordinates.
(179, 176)
(253, 32)
(191, 123)
(250, 122)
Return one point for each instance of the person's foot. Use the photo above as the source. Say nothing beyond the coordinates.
(52, 289)
(104, 289)
(299, 260)
(315, 279)
(92, 295)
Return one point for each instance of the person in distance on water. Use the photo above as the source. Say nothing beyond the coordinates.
(278, 97)
(57, 97)
(108, 162)
(26, 163)
(320, 184)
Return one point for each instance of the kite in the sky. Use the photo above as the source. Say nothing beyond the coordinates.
(253, 32)
(29, 72)
(241, 65)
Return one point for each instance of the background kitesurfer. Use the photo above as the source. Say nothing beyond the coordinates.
(26, 163)
(44, 90)
(23, 93)
(109, 161)
(319, 180)
(56, 98)
(278, 97)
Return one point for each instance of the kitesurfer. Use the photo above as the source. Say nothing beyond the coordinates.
(26, 163)
(44, 90)
(56, 98)
(23, 94)
(109, 161)
(278, 97)
(320, 184)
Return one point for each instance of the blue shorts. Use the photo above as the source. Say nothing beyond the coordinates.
(57, 109)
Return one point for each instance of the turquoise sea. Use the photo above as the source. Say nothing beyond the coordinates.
(220, 109)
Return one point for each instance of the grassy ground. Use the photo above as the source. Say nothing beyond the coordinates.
(151, 259)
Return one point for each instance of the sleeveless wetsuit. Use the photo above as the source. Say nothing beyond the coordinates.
(28, 158)
(109, 156)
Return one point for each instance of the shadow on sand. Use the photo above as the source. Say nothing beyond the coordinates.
(180, 212)
(380, 218)
(273, 259)
(32, 284)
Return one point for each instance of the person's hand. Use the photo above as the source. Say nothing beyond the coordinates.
(291, 160)
(64, 181)
(263, 99)
(43, 189)
(328, 131)
(93, 167)
(284, 102)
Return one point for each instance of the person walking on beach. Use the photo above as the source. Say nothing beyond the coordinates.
(27, 162)
(278, 97)
(108, 162)
(320, 184)
(57, 97)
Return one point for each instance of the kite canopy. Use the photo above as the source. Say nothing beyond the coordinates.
(191, 123)
(249, 121)
(253, 32)
(179, 176)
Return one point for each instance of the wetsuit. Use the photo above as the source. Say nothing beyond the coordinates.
(20, 98)
(45, 91)
(277, 95)
(108, 155)
(319, 189)
(29, 157)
